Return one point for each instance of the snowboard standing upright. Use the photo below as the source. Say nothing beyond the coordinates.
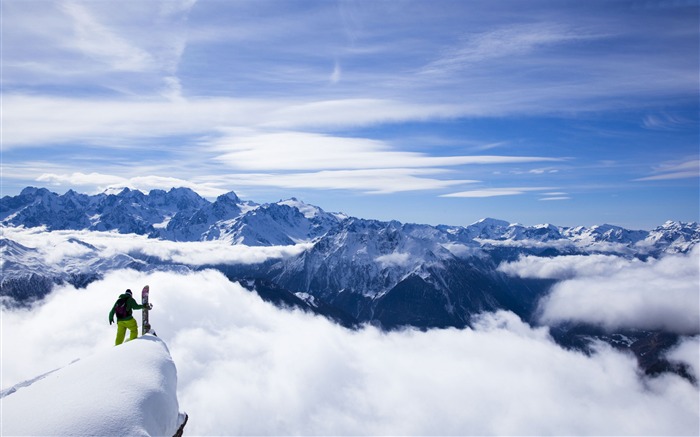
(144, 312)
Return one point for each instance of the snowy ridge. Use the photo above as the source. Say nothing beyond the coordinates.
(132, 391)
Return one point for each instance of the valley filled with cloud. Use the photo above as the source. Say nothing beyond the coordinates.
(248, 367)
(615, 292)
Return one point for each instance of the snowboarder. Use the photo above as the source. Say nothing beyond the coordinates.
(123, 308)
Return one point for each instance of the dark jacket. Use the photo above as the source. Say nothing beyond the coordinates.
(131, 303)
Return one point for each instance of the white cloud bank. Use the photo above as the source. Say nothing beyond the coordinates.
(104, 182)
(247, 368)
(59, 248)
(400, 259)
(309, 151)
(614, 292)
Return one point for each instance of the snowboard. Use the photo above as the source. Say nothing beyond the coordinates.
(146, 326)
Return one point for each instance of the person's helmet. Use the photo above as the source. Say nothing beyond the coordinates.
(128, 291)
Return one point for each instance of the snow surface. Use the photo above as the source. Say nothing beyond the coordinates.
(126, 390)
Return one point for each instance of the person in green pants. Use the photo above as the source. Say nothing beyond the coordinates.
(123, 309)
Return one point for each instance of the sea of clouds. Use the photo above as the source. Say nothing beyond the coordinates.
(247, 367)
(615, 292)
(61, 247)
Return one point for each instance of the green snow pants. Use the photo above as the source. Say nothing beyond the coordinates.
(122, 326)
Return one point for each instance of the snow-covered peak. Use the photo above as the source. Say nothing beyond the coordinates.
(488, 228)
(132, 391)
(282, 223)
(547, 226)
(489, 222)
(678, 236)
(604, 233)
(309, 211)
(675, 226)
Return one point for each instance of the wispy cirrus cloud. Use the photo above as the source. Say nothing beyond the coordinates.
(95, 46)
(506, 42)
(35, 121)
(668, 171)
(555, 198)
(116, 121)
(97, 41)
(496, 192)
(664, 122)
(370, 181)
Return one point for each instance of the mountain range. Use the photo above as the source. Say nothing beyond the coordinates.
(349, 269)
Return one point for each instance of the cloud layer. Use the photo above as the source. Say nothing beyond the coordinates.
(58, 248)
(615, 292)
(245, 367)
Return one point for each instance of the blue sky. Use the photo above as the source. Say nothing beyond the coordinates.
(564, 112)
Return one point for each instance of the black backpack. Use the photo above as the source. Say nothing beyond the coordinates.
(122, 309)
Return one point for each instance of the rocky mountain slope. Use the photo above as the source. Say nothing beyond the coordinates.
(360, 266)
